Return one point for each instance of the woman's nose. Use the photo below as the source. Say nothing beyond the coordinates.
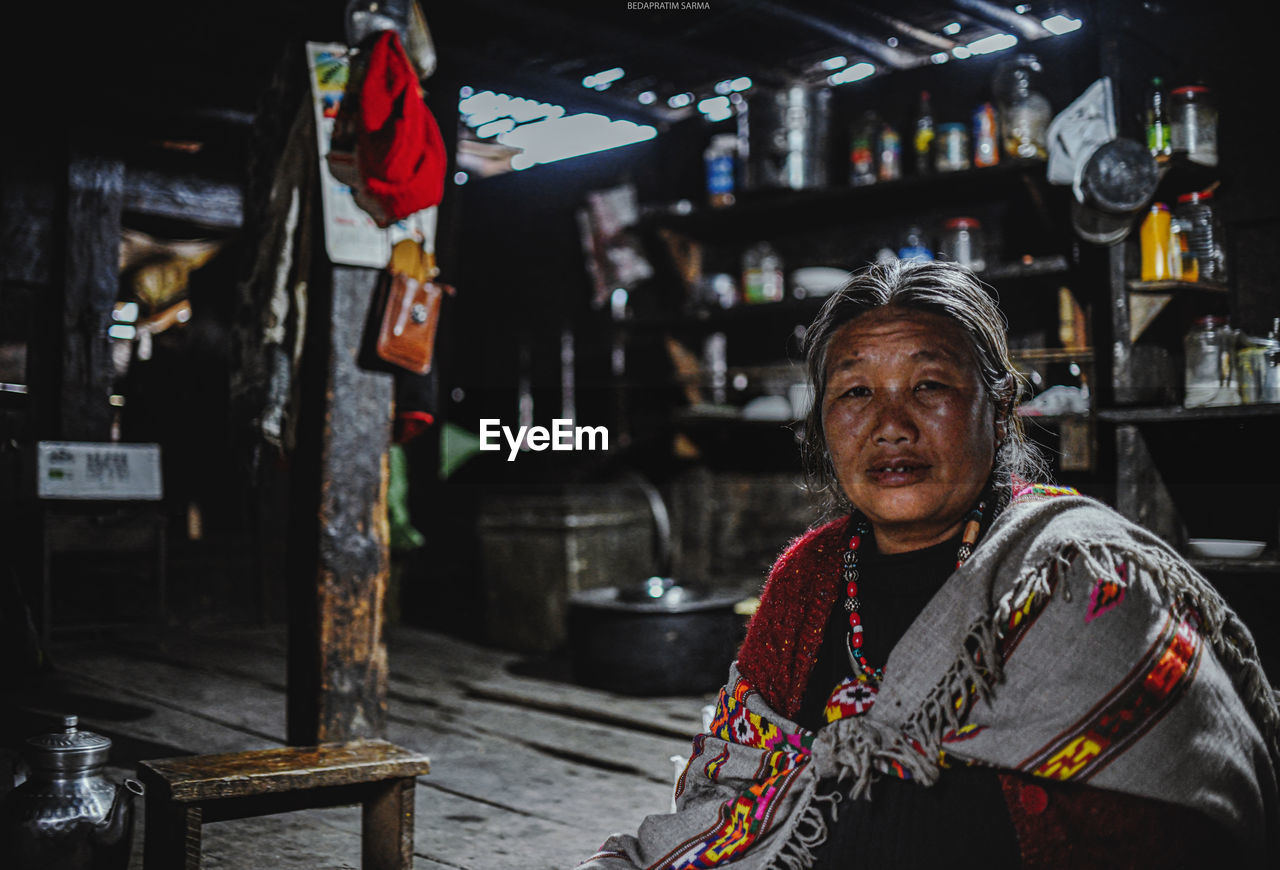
(893, 422)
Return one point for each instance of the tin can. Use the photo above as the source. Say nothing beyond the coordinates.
(986, 150)
(952, 148)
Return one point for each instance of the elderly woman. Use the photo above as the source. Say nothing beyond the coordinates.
(967, 667)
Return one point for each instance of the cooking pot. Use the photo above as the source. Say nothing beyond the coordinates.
(654, 638)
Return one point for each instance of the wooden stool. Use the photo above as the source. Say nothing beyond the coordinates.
(184, 793)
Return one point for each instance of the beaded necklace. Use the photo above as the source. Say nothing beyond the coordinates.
(851, 578)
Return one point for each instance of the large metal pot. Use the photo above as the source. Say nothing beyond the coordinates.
(785, 133)
(654, 639)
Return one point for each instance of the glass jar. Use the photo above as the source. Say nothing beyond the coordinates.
(1193, 124)
(1024, 111)
(961, 242)
(1204, 234)
(1209, 364)
(952, 148)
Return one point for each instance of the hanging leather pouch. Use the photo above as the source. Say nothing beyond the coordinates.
(407, 332)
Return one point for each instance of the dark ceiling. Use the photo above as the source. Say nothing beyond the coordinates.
(164, 59)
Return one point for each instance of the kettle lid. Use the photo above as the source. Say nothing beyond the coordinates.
(68, 749)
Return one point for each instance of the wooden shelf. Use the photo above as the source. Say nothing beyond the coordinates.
(1176, 414)
(759, 214)
(1267, 563)
(1176, 287)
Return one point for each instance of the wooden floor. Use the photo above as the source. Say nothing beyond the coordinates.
(510, 786)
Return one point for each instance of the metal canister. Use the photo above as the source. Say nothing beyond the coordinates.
(952, 148)
(785, 132)
(986, 148)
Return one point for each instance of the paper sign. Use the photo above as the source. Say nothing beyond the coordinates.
(88, 470)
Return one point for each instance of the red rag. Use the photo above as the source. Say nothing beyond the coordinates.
(399, 146)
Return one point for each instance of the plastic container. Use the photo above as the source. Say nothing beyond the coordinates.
(915, 247)
(952, 148)
(1154, 239)
(961, 242)
(762, 278)
(1193, 124)
(1209, 349)
(862, 150)
(986, 140)
(721, 158)
(1024, 111)
(888, 154)
(1204, 234)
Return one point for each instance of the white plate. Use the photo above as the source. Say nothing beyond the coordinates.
(1223, 548)
(818, 280)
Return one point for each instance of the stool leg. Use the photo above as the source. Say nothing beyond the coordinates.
(387, 826)
(172, 836)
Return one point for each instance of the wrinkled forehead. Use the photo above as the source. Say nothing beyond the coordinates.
(898, 335)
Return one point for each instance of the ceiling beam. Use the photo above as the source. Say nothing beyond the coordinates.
(1023, 26)
(893, 58)
(906, 28)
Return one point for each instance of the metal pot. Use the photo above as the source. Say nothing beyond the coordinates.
(785, 134)
(657, 638)
(67, 815)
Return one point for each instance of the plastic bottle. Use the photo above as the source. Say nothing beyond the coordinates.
(762, 278)
(1204, 234)
(721, 162)
(888, 153)
(1154, 238)
(1157, 121)
(923, 143)
(1024, 111)
(862, 144)
(915, 247)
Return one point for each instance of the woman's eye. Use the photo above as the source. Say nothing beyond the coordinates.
(858, 392)
(925, 386)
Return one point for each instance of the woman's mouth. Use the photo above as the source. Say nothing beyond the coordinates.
(897, 473)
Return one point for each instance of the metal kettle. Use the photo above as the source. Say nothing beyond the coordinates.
(67, 815)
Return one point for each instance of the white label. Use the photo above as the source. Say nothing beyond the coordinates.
(85, 470)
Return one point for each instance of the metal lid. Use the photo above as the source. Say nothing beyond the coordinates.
(69, 749)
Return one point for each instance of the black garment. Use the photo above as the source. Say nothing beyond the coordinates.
(962, 820)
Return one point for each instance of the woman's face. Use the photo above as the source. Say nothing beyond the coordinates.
(909, 424)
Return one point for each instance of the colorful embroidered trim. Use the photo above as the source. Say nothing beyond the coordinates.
(1128, 710)
(745, 816)
(1107, 593)
(1043, 489)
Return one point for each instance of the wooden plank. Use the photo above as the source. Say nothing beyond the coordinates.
(201, 201)
(96, 186)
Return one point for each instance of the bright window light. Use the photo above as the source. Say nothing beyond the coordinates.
(993, 43)
(716, 108)
(1060, 24)
(892, 42)
(125, 312)
(855, 73)
(493, 128)
(1022, 8)
(951, 29)
(960, 52)
(571, 136)
(603, 79)
(122, 331)
(679, 101)
(460, 178)
(647, 98)
(834, 62)
(940, 57)
(741, 83)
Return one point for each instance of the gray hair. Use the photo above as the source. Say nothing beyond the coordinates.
(942, 288)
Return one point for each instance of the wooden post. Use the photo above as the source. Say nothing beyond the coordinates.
(337, 675)
(96, 191)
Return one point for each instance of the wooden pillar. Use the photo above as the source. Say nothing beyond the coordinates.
(337, 675)
(96, 192)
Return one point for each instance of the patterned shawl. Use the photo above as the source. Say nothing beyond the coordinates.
(1073, 645)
